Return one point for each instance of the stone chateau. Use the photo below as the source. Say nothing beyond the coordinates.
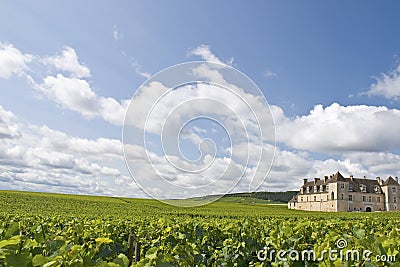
(337, 193)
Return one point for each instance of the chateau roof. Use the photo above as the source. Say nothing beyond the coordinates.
(337, 177)
(370, 184)
(293, 199)
(390, 181)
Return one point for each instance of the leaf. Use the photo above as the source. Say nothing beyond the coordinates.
(40, 260)
(151, 253)
(20, 260)
(13, 229)
(122, 260)
(103, 240)
(9, 242)
(359, 233)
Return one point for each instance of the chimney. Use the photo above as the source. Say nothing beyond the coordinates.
(397, 179)
(351, 177)
(316, 180)
(325, 178)
(379, 180)
(365, 177)
(304, 180)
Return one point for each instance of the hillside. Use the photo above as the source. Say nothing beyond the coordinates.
(282, 197)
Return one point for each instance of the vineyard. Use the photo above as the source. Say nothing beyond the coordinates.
(38, 229)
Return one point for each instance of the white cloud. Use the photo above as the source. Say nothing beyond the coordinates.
(138, 69)
(98, 149)
(270, 74)
(67, 60)
(117, 35)
(71, 93)
(77, 95)
(204, 51)
(339, 128)
(48, 160)
(12, 61)
(387, 85)
(8, 127)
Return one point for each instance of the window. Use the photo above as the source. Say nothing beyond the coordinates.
(393, 189)
(364, 198)
(376, 188)
(315, 188)
(315, 198)
(302, 190)
(307, 199)
(394, 199)
(327, 187)
(342, 185)
(341, 196)
(301, 199)
(327, 198)
(378, 199)
(332, 195)
(363, 188)
(350, 187)
(350, 197)
(369, 199)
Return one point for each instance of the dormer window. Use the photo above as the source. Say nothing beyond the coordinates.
(363, 188)
(350, 186)
(308, 189)
(302, 190)
(377, 189)
(315, 188)
(327, 187)
(321, 188)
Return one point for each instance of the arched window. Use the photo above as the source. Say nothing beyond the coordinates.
(332, 195)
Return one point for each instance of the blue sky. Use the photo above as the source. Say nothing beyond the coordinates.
(300, 53)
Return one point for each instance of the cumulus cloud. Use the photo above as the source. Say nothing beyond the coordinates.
(77, 95)
(8, 126)
(68, 89)
(67, 60)
(12, 60)
(387, 85)
(49, 160)
(71, 93)
(204, 51)
(339, 128)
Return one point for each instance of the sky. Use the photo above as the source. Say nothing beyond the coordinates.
(329, 71)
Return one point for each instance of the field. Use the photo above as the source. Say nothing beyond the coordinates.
(38, 229)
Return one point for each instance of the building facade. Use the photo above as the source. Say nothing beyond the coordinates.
(337, 193)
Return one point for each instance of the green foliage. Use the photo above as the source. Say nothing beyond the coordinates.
(63, 230)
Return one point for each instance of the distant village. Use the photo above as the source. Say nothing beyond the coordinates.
(336, 193)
